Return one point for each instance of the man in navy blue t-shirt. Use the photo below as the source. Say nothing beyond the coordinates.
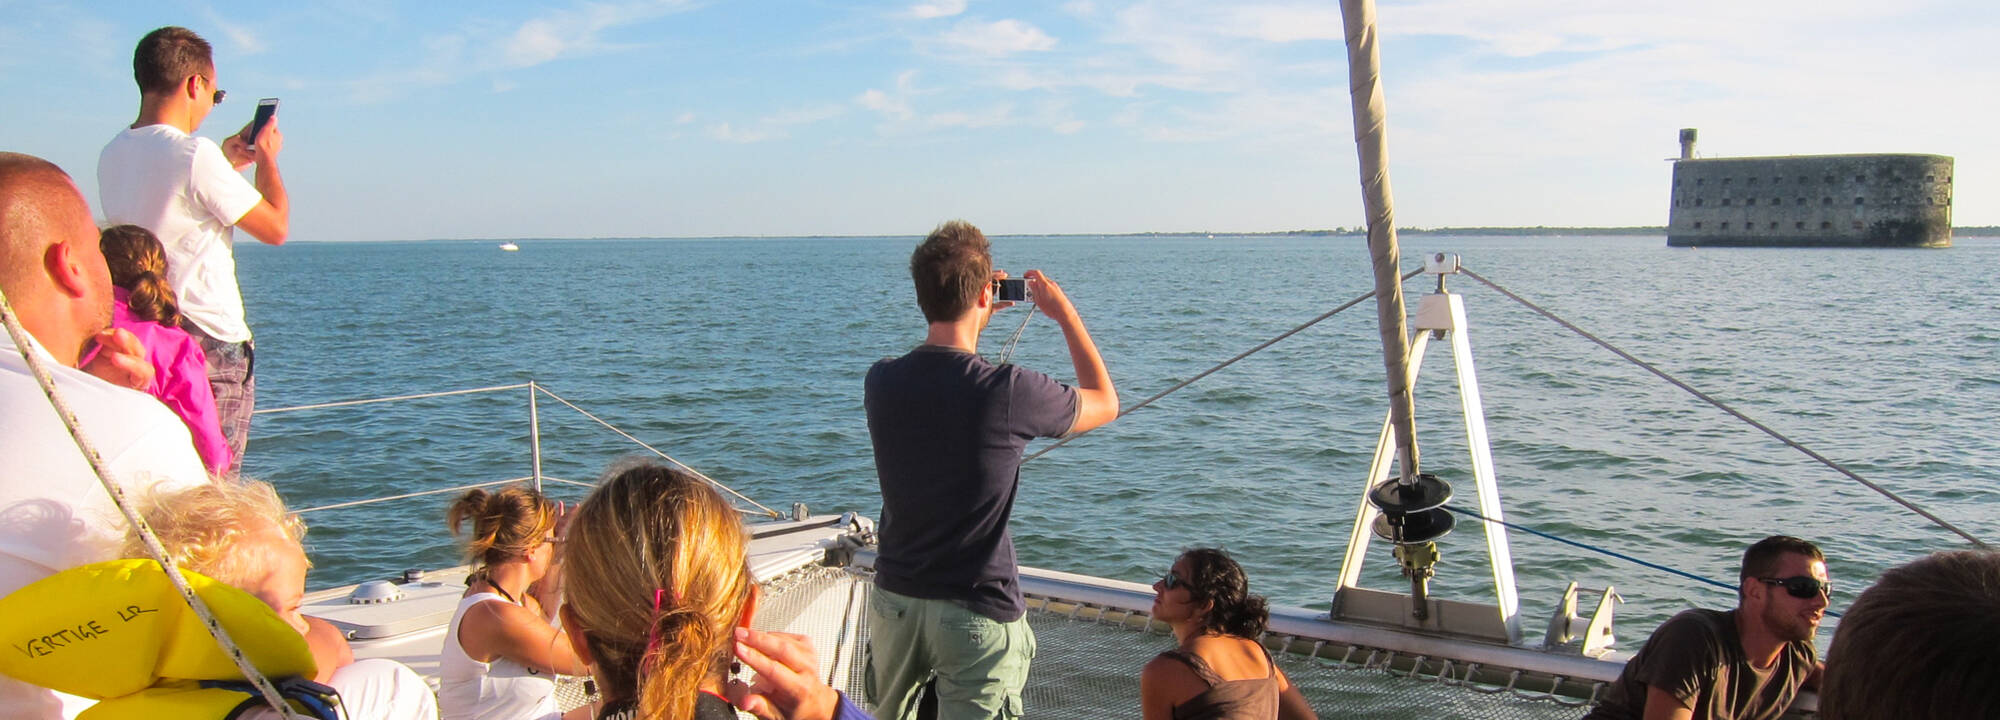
(948, 429)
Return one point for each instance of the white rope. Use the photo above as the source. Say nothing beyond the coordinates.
(370, 401)
(656, 451)
(405, 496)
(25, 346)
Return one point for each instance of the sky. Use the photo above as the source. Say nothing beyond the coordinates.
(691, 118)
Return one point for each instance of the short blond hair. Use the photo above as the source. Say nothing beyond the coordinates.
(217, 528)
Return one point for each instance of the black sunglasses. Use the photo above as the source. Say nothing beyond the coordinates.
(219, 95)
(1172, 580)
(1801, 586)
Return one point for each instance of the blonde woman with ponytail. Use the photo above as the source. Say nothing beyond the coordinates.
(144, 306)
(501, 649)
(660, 598)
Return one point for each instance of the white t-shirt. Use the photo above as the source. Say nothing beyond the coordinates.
(54, 514)
(500, 690)
(182, 188)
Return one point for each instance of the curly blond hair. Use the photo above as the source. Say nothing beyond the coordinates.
(218, 528)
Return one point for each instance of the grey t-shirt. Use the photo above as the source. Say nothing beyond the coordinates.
(1698, 657)
(948, 429)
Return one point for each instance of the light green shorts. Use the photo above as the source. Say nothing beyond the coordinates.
(981, 664)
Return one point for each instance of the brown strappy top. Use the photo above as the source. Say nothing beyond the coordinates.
(1248, 699)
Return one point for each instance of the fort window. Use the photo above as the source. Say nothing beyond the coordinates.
(1800, 225)
(1725, 181)
(1697, 224)
(1857, 224)
(1861, 178)
(1857, 201)
(1825, 225)
(1829, 179)
(1802, 202)
(1749, 201)
(1725, 202)
(1753, 181)
(1698, 181)
(1774, 225)
(1803, 180)
(1826, 201)
(1697, 202)
(1725, 226)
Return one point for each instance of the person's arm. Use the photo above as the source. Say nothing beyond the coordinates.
(502, 629)
(1097, 399)
(1812, 679)
(1662, 705)
(117, 357)
(270, 219)
(329, 648)
(1158, 685)
(1292, 704)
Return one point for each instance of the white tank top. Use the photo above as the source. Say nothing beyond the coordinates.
(500, 690)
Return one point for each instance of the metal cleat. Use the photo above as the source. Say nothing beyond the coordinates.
(1566, 627)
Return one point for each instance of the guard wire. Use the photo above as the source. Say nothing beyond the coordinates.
(1705, 397)
(1226, 363)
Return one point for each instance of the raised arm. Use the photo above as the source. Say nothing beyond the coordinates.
(270, 219)
(1097, 399)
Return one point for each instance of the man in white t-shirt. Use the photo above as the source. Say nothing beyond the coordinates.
(189, 192)
(54, 514)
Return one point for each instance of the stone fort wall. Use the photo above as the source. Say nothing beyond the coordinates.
(1814, 200)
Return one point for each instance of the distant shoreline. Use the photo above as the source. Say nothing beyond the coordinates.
(1484, 231)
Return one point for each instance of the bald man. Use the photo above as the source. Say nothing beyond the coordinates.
(54, 514)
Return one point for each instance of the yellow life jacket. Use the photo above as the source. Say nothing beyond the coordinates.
(119, 632)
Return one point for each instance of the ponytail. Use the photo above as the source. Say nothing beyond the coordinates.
(139, 264)
(656, 580)
(504, 524)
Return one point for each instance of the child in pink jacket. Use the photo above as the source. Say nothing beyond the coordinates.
(146, 308)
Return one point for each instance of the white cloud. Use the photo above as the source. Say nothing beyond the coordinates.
(684, 118)
(1284, 24)
(578, 30)
(727, 133)
(896, 105)
(937, 9)
(1002, 37)
(245, 40)
(776, 126)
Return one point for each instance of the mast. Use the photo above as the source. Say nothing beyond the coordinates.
(1364, 87)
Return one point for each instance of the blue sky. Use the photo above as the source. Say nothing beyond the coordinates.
(496, 119)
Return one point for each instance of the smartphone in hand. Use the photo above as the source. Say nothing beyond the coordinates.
(267, 108)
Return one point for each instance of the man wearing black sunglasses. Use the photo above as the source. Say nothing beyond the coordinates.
(189, 192)
(1743, 664)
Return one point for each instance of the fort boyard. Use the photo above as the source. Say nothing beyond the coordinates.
(1895, 200)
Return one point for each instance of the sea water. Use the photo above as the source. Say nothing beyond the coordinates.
(744, 359)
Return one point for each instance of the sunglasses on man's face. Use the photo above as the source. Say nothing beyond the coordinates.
(1801, 586)
(1172, 580)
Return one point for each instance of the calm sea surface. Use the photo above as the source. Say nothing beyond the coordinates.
(744, 358)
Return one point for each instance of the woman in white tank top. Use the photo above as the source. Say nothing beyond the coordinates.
(502, 650)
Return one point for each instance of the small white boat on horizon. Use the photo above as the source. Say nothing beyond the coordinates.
(509, 247)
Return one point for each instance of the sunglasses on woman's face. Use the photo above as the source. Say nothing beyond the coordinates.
(1171, 580)
(1801, 586)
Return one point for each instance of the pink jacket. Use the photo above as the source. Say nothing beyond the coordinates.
(180, 380)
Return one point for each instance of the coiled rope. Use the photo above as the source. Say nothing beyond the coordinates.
(25, 346)
(1719, 405)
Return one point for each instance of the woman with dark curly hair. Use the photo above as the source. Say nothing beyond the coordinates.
(1219, 671)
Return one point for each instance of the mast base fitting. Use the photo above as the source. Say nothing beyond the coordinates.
(1427, 491)
(1414, 528)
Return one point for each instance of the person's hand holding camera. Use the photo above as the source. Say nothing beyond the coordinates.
(1049, 297)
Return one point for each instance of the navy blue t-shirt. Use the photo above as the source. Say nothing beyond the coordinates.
(948, 428)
